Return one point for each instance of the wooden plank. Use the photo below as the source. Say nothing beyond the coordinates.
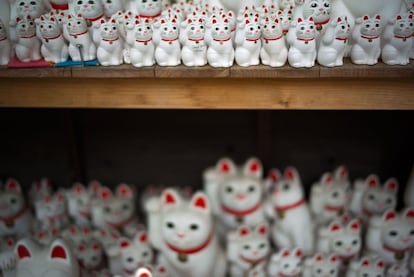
(182, 71)
(43, 72)
(209, 93)
(122, 71)
(263, 71)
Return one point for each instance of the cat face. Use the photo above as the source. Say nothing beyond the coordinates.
(32, 8)
(252, 28)
(272, 28)
(254, 245)
(320, 10)
(54, 205)
(371, 268)
(107, 237)
(135, 253)
(90, 255)
(377, 199)
(40, 189)
(195, 28)
(116, 209)
(185, 225)
(169, 29)
(109, 29)
(345, 241)
(325, 266)
(286, 4)
(285, 17)
(398, 231)
(148, 7)
(220, 29)
(48, 27)
(11, 199)
(305, 28)
(79, 201)
(342, 28)
(25, 27)
(290, 262)
(335, 193)
(111, 7)
(87, 8)
(371, 26)
(241, 190)
(289, 189)
(76, 25)
(143, 30)
(404, 25)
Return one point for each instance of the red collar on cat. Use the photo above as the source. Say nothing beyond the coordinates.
(75, 35)
(252, 39)
(321, 23)
(339, 38)
(402, 37)
(86, 215)
(196, 40)
(369, 37)
(305, 39)
(276, 38)
(393, 250)
(143, 41)
(32, 36)
(150, 16)
(243, 212)
(59, 6)
(110, 40)
(252, 261)
(193, 250)
(289, 207)
(121, 224)
(94, 18)
(3, 38)
(283, 275)
(169, 40)
(330, 208)
(222, 40)
(14, 217)
(51, 38)
(366, 212)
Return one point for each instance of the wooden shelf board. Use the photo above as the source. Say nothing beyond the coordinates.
(43, 72)
(122, 71)
(263, 71)
(182, 71)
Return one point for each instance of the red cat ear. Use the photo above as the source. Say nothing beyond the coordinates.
(372, 181)
(170, 197)
(334, 227)
(300, 20)
(366, 17)
(327, 179)
(94, 186)
(274, 174)
(81, 248)
(200, 201)
(342, 171)
(380, 264)
(391, 185)
(253, 166)
(378, 17)
(299, 253)
(310, 18)
(262, 229)
(333, 259)
(124, 243)
(13, 185)
(225, 165)
(389, 215)
(409, 213)
(339, 19)
(243, 231)
(279, 12)
(60, 197)
(399, 17)
(290, 172)
(58, 250)
(285, 253)
(365, 263)
(354, 225)
(78, 188)
(143, 237)
(105, 193)
(276, 21)
(143, 272)
(319, 258)
(124, 190)
(102, 21)
(23, 251)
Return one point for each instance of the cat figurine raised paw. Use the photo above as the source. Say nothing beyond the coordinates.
(248, 42)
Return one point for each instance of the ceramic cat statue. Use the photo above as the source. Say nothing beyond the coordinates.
(329, 197)
(52, 211)
(5, 45)
(398, 270)
(168, 47)
(286, 262)
(28, 44)
(285, 17)
(342, 240)
(274, 51)
(81, 47)
(293, 226)
(397, 40)
(40, 189)
(367, 266)
(320, 11)
(129, 255)
(115, 211)
(110, 48)
(54, 48)
(8, 258)
(247, 249)
(194, 47)
(141, 45)
(334, 42)
(321, 266)
(302, 50)
(15, 217)
(220, 52)
(370, 198)
(80, 200)
(248, 42)
(45, 237)
(147, 9)
(391, 236)
(237, 196)
(56, 260)
(182, 231)
(366, 37)
(91, 258)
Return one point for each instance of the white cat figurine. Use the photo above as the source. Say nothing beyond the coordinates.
(54, 48)
(110, 47)
(248, 42)
(367, 266)
(28, 44)
(8, 258)
(194, 47)
(321, 266)
(320, 11)
(398, 40)
(168, 48)
(52, 211)
(236, 197)
(334, 42)
(91, 258)
(274, 51)
(391, 236)
(5, 45)
(302, 50)
(184, 234)
(15, 217)
(81, 46)
(247, 248)
(55, 260)
(366, 37)
(398, 270)
(80, 201)
(286, 262)
(150, 9)
(293, 226)
(220, 52)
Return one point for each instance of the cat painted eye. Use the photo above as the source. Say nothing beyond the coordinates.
(332, 271)
(229, 189)
(412, 233)
(130, 259)
(286, 187)
(251, 189)
(339, 243)
(335, 194)
(13, 200)
(286, 265)
(107, 209)
(246, 247)
(326, 5)
(79, 2)
(125, 207)
(33, 3)
(91, 2)
(371, 197)
(145, 254)
(41, 26)
(393, 233)
(313, 5)
(170, 225)
(194, 227)
(319, 271)
(262, 245)
(21, 4)
(354, 242)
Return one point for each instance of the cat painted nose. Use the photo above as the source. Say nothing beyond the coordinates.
(241, 196)
(180, 236)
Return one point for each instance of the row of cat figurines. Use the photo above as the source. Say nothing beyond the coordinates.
(113, 43)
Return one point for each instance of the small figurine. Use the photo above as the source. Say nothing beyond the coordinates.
(40, 189)
(5, 45)
(183, 232)
(168, 48)
(334, 42)
(286, 262)
(285, 16)
(367, 266)
(194, 50)
(52, 211)
(248, 42)
(91, 258)
(15, 217)
(321, 266)
(81, 47)
(391, 236)
(293, 226)
(397, 40)
(329, 197)
(302, 50)
(110, 47)
(28, 44)
(220, 52)
(366, 47)
(247, 248)
(37, 261)
(398, 270)
(274, 51)
(80, 202)
(54, 48)
(236, 197)
(45, 237)
(77, 235)
(8, 258)
(147, 9)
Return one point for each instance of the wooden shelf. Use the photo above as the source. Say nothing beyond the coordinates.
(256, 87)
